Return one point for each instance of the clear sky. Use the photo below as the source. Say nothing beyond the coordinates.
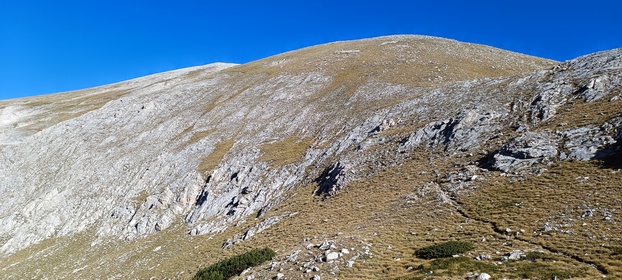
(61, 45)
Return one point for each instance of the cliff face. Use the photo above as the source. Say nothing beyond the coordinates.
(208, 147)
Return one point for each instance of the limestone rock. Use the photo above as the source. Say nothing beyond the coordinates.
(464, 132)
(526, 150)
(588, 142)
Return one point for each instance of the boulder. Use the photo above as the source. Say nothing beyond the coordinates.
(331, 256)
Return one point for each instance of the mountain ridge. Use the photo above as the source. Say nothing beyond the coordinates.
(207, 148)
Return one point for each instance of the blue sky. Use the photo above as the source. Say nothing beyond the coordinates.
(54, 46)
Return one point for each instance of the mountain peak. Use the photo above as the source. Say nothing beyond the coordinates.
(402, 59)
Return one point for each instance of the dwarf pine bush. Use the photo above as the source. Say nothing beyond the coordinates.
(233, 266)
(444, 250)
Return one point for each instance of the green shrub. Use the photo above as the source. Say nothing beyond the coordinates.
(233, 266)
(444, 250)
(210, 275)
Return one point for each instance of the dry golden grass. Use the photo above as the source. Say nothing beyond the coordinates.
(286, 151)
(185, 132)
(558, 197)
(141, 196)
(210, 161)
(405, 60)
(198, 135)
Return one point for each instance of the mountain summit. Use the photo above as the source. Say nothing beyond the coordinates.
(377, 146)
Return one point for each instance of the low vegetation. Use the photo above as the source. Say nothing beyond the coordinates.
(235, 265)
(444, 250)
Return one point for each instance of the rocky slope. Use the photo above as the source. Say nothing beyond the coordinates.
(207, 150)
